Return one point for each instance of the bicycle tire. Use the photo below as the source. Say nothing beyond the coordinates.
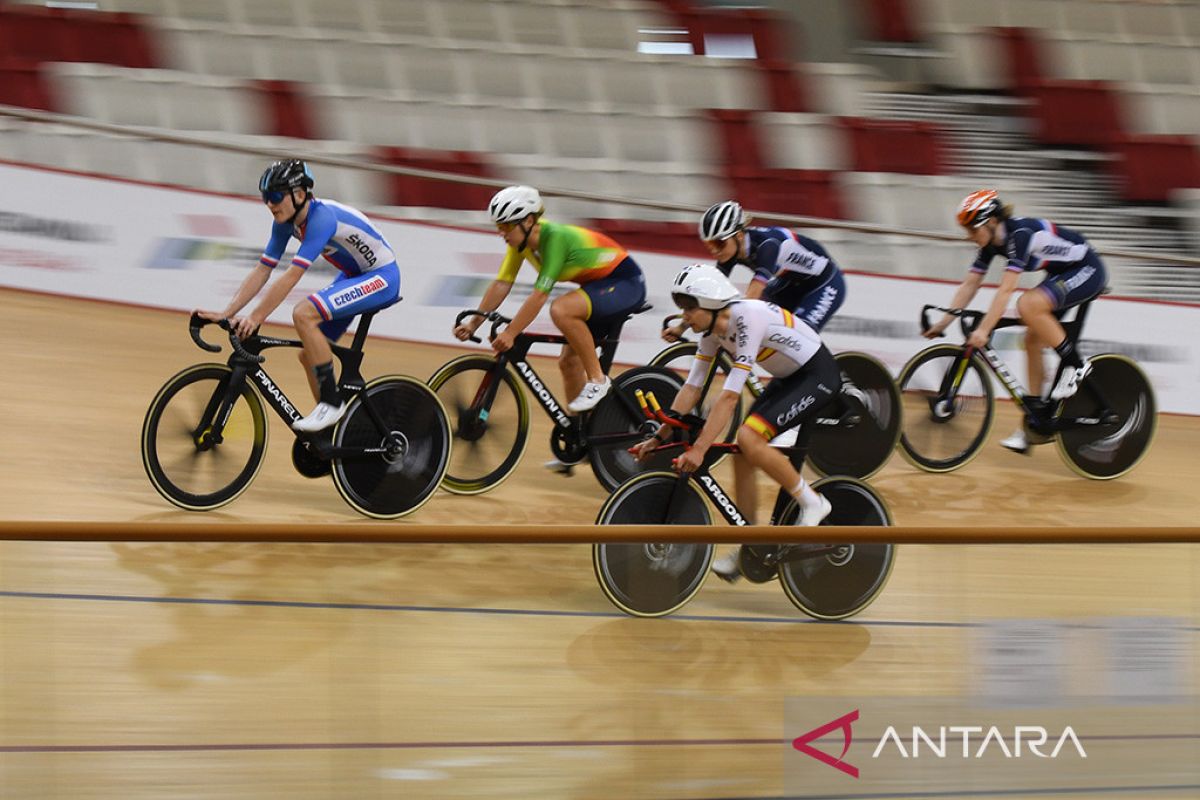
(184, 472)
(678, 359)
(486, 449)
(843, 583)
(387, 486)
(619, 413)
(943, 439)
(862, 450)
(652, 580)
(1108, 452)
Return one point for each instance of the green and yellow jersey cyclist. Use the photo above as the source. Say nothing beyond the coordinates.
(611, 286)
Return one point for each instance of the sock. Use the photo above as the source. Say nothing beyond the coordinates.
(1066, 351)
(327, 385)
(804, 494)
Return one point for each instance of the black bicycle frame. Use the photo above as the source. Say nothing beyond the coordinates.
(246, 357)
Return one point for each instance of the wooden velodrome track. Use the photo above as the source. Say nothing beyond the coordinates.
(314, 671)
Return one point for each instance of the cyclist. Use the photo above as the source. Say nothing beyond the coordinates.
(611, 286)
(1074, 274)
(806, 378)
(793, 271)
(369, 279)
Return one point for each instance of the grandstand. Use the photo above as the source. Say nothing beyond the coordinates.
(1084, 111)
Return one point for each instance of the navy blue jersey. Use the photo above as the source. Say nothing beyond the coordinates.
(1035, 244)
(782, 252)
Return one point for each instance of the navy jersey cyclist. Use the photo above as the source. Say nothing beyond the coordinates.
(1074, 274)
(805, 378)
(369, 279)
(793, 271)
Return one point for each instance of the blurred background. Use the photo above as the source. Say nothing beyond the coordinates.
(884, 112)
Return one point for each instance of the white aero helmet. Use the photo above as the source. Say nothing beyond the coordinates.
(515, 203)
(705, 284)
(722, 221)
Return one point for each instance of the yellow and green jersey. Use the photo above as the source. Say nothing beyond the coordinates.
(565, 253)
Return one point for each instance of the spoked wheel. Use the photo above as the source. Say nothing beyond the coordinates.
(944, 425)
(652, 580)
(859, 448)
(490, 439)
(180, 450)
(613, 427)
(839, 583)
(415, 437)
(1118, 389)
(679, 357)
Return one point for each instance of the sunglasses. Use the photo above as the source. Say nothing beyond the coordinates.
(505, 227)
(274, 197)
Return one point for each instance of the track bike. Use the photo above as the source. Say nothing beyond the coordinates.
(1102, 431)
(489, 412)
(205, 434)
(826, 581)
(856, 438)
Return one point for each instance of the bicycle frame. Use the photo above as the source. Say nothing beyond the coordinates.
(1043, 419)
(246, 357)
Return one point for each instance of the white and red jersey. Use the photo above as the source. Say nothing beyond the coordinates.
(758, 333)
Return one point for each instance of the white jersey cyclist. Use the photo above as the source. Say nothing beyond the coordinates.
(760, 333)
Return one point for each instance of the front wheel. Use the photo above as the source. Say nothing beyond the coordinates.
(949, 405)
(1116, 389)
(615, 424)
(197, 454)
(869, 420)
(652, 580)
(405, 423)
(838, 583)
(489, 416)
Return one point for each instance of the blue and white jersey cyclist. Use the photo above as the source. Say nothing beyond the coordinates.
(1074, 274)
(805, 379)
(793, 271)
(369, 278)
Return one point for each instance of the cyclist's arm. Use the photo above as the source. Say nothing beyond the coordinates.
(496, 293)
(962, 296)
(250, 287)
(755, 289)
(528, 312)
(718, 419)
(275, 295)
(1000, 302)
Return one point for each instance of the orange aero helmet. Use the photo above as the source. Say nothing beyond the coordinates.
(978, 208)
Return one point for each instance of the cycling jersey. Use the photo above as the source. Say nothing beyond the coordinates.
(565, 253)
(1035, 244)
(758, 333)
(341, 234)
(779, 251)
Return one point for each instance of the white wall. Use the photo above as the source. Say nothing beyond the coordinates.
(82, 236)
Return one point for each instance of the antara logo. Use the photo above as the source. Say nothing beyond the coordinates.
(270, 388)
(543, 394)
(1032, 737)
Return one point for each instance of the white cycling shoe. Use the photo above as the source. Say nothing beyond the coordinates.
(729, 566)
(322, 417)
(1068, 383)
(592, 394)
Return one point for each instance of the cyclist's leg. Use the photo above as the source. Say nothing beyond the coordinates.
(1057, 293)
(599, 303)
(799, 398)
(324, 316)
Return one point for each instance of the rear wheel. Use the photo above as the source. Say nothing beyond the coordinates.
(652, 580)
(945, 421)
(490, 439)
(838, 581)
(1116, 388)
(859, 449)
(410, 427)
(615, 425)
(187, 460)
